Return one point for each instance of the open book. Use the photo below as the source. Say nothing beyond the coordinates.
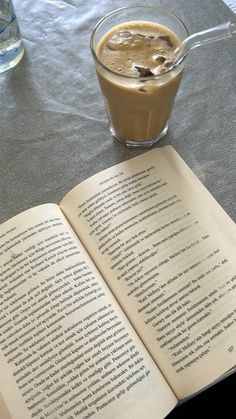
(122, 300)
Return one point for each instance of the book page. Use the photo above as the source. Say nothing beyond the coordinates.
(66, 348)
(167, 251)
(4, 409)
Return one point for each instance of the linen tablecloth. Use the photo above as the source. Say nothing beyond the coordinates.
(53, 125)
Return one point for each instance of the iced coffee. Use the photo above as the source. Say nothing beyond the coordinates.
(136, 77)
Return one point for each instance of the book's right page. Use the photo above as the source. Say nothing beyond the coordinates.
(167, 251)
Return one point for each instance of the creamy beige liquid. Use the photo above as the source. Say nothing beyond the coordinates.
(138, 107)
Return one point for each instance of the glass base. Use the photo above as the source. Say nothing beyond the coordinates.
(141, 143)
(10, 58)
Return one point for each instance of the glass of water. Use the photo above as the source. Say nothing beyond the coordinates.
(11, 43)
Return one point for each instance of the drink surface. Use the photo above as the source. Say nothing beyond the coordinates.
(138, 48)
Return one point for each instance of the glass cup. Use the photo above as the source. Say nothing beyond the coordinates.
(11, 43)
(138, 107)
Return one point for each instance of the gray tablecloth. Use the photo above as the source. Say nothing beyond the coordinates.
(231, 4)
(53, 125)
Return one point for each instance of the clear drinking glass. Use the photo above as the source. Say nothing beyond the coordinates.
(11, 43)
(138, 108)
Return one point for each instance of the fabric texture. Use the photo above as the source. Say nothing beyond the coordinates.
(231, 4)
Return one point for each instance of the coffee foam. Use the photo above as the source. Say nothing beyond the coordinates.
(131, 46)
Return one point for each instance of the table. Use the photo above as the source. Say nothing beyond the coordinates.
(54, 130)
(231, 4)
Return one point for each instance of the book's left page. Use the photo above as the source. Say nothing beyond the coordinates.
(66, 348)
